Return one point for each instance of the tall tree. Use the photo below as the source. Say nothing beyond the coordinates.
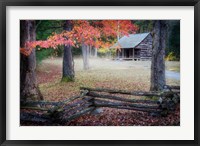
(85, 35)
(68, 63)
(28, 84)
(173, 42)
(158, 54)
(144, 25)
(85, 53)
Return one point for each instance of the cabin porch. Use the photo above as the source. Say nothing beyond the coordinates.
(128, 54)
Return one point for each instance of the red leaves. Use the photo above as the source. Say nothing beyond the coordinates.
(126, 118)
(87, 32)
(52, 42)
(118, 27)
(25, 51)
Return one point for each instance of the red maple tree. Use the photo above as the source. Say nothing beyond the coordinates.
(85, 32)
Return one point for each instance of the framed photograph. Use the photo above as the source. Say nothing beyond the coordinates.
(99, 72)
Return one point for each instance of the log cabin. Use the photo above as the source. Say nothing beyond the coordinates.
(134, 47)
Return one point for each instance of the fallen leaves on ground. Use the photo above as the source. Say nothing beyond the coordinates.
(130, 75)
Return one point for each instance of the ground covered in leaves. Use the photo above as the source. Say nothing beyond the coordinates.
(119, 117)
(105, 73)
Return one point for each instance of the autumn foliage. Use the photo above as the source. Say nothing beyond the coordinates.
(99, 33)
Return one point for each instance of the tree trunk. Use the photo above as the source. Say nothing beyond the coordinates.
(68, 62)
(95, 52)
(90, 51)
(158, 54)
(28, 84)
(85, 52)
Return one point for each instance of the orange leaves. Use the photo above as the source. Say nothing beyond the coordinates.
(118, 27)
(90, 32)
(85, 33)
(29, 46)
(52, 42)
(26, 52)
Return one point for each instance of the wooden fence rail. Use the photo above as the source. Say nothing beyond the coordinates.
(89, 99)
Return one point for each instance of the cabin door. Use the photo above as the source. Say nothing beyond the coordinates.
(127, 53)
(137, 53)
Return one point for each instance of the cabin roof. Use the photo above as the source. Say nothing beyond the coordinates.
(130, 41)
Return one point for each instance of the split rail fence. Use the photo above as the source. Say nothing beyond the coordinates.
(90, 99)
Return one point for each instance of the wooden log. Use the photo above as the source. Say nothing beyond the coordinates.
(56, 111)
(93, 94)
(60, 108)
(40, 103)
(104, 102)
(76, 105)
(72, 117)
(75, 97)
(135, 93)
(88, 98)
(126, 107)
(71, 99)
(44, 103)
(114, 91)
(174, 87)
(34, 108)
(32, 105)
(33, 117)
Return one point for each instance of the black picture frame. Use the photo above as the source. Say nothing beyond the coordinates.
(5, 3)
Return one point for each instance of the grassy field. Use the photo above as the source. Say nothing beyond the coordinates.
(103, 73)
